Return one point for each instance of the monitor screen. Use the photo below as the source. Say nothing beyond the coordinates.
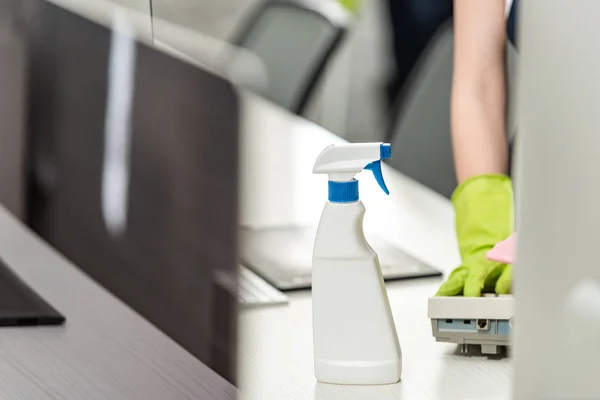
(133, 159)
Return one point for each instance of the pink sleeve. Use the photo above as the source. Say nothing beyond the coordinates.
(505, 251)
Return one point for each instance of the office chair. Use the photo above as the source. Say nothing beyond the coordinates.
(295, 42)
(420, 129)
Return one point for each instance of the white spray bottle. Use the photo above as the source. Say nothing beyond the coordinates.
(355, 339)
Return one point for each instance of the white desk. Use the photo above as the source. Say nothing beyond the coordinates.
(276, 343)
(104, 351)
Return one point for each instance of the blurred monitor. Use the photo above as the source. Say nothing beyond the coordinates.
(557, 277)
(133, 159)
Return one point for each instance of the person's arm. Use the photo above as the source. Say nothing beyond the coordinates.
(478, 100)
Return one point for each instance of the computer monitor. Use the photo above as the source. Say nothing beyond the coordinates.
(557, 274)
(134, 176)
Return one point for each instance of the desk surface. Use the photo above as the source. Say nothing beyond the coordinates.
(276, 342)
(105, 350)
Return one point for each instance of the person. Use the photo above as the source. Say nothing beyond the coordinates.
(483, 199)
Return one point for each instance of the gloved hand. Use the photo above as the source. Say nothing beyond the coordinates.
(484, 217)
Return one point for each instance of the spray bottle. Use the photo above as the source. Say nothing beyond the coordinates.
(355, 340)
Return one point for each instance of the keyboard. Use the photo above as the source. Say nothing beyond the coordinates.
(256, 292)
(283, 255)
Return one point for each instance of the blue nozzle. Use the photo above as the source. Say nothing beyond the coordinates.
(385, 151)
(375, 167)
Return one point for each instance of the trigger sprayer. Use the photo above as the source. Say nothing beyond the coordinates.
(343, 162)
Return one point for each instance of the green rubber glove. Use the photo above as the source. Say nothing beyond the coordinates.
(351, 5)
(484, 217)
